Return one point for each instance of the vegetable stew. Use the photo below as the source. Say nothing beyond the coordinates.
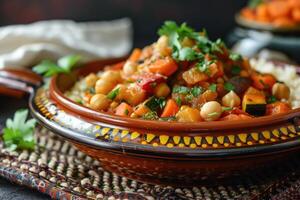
(186, 77)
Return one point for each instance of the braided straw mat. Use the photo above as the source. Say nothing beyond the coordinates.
(58, 169)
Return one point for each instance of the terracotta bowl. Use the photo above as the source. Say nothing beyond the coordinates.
(166, 152)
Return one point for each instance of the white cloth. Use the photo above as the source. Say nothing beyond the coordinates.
(26, 45)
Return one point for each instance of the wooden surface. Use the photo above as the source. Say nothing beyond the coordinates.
(8, 190)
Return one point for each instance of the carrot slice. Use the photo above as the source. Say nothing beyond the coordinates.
(166, 66)
(123, 109)
(263, 81)
(278, 9)
(296, 14)
(170, 109)
(141, 110)
(135, 55)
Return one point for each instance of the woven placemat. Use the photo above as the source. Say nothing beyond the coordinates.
(58, 169)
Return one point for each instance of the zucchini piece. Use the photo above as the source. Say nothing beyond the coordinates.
(254, 104)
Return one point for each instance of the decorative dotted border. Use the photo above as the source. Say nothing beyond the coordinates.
(105, 133)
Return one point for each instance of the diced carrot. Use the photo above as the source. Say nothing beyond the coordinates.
(166, 66)
(263, 81)
(135, 55)
(262, 13)
(277, 108)
(284, 22)
(170, 109)
(123, 109)
(294, 3)
(278, 9)
(248, 13)
(296, 14)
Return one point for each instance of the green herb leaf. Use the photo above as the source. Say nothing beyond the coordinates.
(155, 103)
(213, 87)
(18, 133)
(92, 90)
(196, 91)
(213, 114)
(236, 70)
(181, 90)
(178, 101)
(68, 62)
(203, 66)
(228, 86)
(152, 115)
(187, 53)
(49, 68)
(113, 94)
(235, 56)
(271, 99)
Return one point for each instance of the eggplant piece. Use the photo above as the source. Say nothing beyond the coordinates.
(241, 84)
(255, 105)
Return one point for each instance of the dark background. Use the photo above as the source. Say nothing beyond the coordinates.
(147, 16)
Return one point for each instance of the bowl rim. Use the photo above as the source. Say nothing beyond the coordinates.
(162, 152)
(57, 95)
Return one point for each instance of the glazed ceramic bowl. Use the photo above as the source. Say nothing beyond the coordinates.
(165, 152)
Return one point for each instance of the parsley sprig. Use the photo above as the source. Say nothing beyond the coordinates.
(63, 65)
(18, 133)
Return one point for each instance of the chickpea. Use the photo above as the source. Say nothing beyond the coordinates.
(188, 114)
(134, 95)
(103, 86)
(211, 111)
(113, 104)
(99, 102)
(162, 90)
(162, 46)
(231, 99)
(111, 76)
(91, 80)
(281, 91)
(129, 68)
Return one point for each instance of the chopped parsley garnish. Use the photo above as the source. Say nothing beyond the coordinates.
(235, 56)
(236, 70)
(178, 101)
(18, 133)
(203, 66)
(176, 33)
(181, 90)
(155, 103)
(228, 86)
(213, 87)
(271, 99)
(113, 94)
(152, 115)
(126, 112)
(63, 65)
(196, 91)
(189, 92)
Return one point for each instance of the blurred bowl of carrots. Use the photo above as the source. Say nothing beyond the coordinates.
(271, 15)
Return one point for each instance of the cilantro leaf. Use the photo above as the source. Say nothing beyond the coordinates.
(18, 133)
(152, 115)
(235, 56)
(64, 65)
(155, 103)
(181, 90)
(203, 66)
(196, 91)
(213, 87)
(187, 53)
(228, 86)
